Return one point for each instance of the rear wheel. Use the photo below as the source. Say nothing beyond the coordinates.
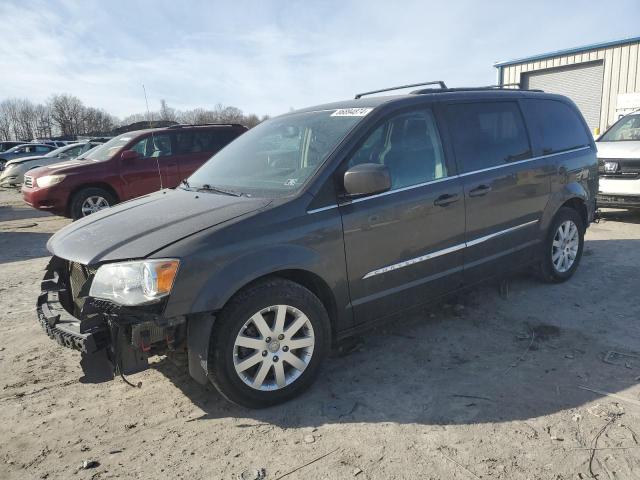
(563, 247)
(90, 200)
(268, 343)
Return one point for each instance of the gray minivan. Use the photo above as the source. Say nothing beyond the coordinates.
(317, 224)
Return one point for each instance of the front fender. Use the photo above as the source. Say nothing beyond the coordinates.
(244, 269)
(225, 283)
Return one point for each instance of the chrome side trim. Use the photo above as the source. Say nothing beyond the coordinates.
(444, 179)
(445, 251)
(322, 209)
(404, 189)
(422, 258)
(496, 167)
(497, 234)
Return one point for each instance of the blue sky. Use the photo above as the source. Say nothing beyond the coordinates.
(266, 57)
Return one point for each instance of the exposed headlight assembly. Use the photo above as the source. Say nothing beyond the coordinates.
(135, 283)
(49, 180)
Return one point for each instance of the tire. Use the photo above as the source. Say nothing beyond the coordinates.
(551, 269)
(79, 206)
(265, 299)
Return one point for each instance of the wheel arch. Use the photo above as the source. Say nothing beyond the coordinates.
(311, 281)
(206, 307)
(572, 195)
(102, 185)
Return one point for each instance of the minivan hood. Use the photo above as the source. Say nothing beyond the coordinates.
(137, 228)
(625, 149)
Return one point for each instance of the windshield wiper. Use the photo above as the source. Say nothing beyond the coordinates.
(210, 188)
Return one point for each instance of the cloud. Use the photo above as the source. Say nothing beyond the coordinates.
(266, 57)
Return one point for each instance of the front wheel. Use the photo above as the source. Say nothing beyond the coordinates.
(90, 200)
(268, 343)
(562, 249)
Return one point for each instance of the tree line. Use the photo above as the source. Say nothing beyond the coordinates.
(65, 115)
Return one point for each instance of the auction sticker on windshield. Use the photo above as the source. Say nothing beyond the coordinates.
(351, 112)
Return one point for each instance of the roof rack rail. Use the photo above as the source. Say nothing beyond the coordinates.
(183, 125)
(473, 89)
(437, 82)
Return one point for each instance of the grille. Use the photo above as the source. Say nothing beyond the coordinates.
(28, 181)
(78, 275)
(628, 168)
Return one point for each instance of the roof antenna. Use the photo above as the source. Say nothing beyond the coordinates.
(153, 139)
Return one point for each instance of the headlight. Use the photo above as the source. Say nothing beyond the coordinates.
(49, 180)
(135, 283)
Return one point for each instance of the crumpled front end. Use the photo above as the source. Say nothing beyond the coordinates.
(110, 338)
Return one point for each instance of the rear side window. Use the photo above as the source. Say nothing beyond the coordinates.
(487, 134)
(557, 126)
(209, 141)
(156, 145)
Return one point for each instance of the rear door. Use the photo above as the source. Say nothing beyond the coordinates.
(505, 187)
(404, 247)
(155, 168)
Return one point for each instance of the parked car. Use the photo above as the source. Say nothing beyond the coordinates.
(619, 164)
(54, 143)
(125, 167)
(317, 224)
(14, 170)
(24, 150)
(4, 146)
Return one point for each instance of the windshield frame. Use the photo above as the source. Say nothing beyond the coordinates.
(608, 130)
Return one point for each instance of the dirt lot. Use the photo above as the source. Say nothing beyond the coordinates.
(485, 386)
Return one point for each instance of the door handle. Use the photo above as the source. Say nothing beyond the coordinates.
(480, 191)
(446, 199)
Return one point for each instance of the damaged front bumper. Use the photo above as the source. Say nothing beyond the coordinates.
(110, 338)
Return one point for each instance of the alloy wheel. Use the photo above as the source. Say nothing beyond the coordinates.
(564, 248)
(93, 204)
(273, 348)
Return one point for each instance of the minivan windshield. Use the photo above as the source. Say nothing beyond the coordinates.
(277, 156)
(109, 149)
(626, 129)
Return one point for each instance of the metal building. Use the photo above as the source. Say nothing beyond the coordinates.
(602, 79)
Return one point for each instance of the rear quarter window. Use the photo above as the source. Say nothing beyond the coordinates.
(556, 125)
(487, 134)
(209, 141)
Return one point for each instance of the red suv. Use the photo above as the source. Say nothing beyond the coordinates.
(125, 167)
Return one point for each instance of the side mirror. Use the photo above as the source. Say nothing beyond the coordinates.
(367, 179)
(129, 155)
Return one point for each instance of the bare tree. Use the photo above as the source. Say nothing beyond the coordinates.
(67, 113)
(5, 122)
(167, 113)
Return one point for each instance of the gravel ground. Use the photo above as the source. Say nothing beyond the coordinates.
(511, 384)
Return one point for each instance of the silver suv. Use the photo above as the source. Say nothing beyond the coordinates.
(619, 164)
